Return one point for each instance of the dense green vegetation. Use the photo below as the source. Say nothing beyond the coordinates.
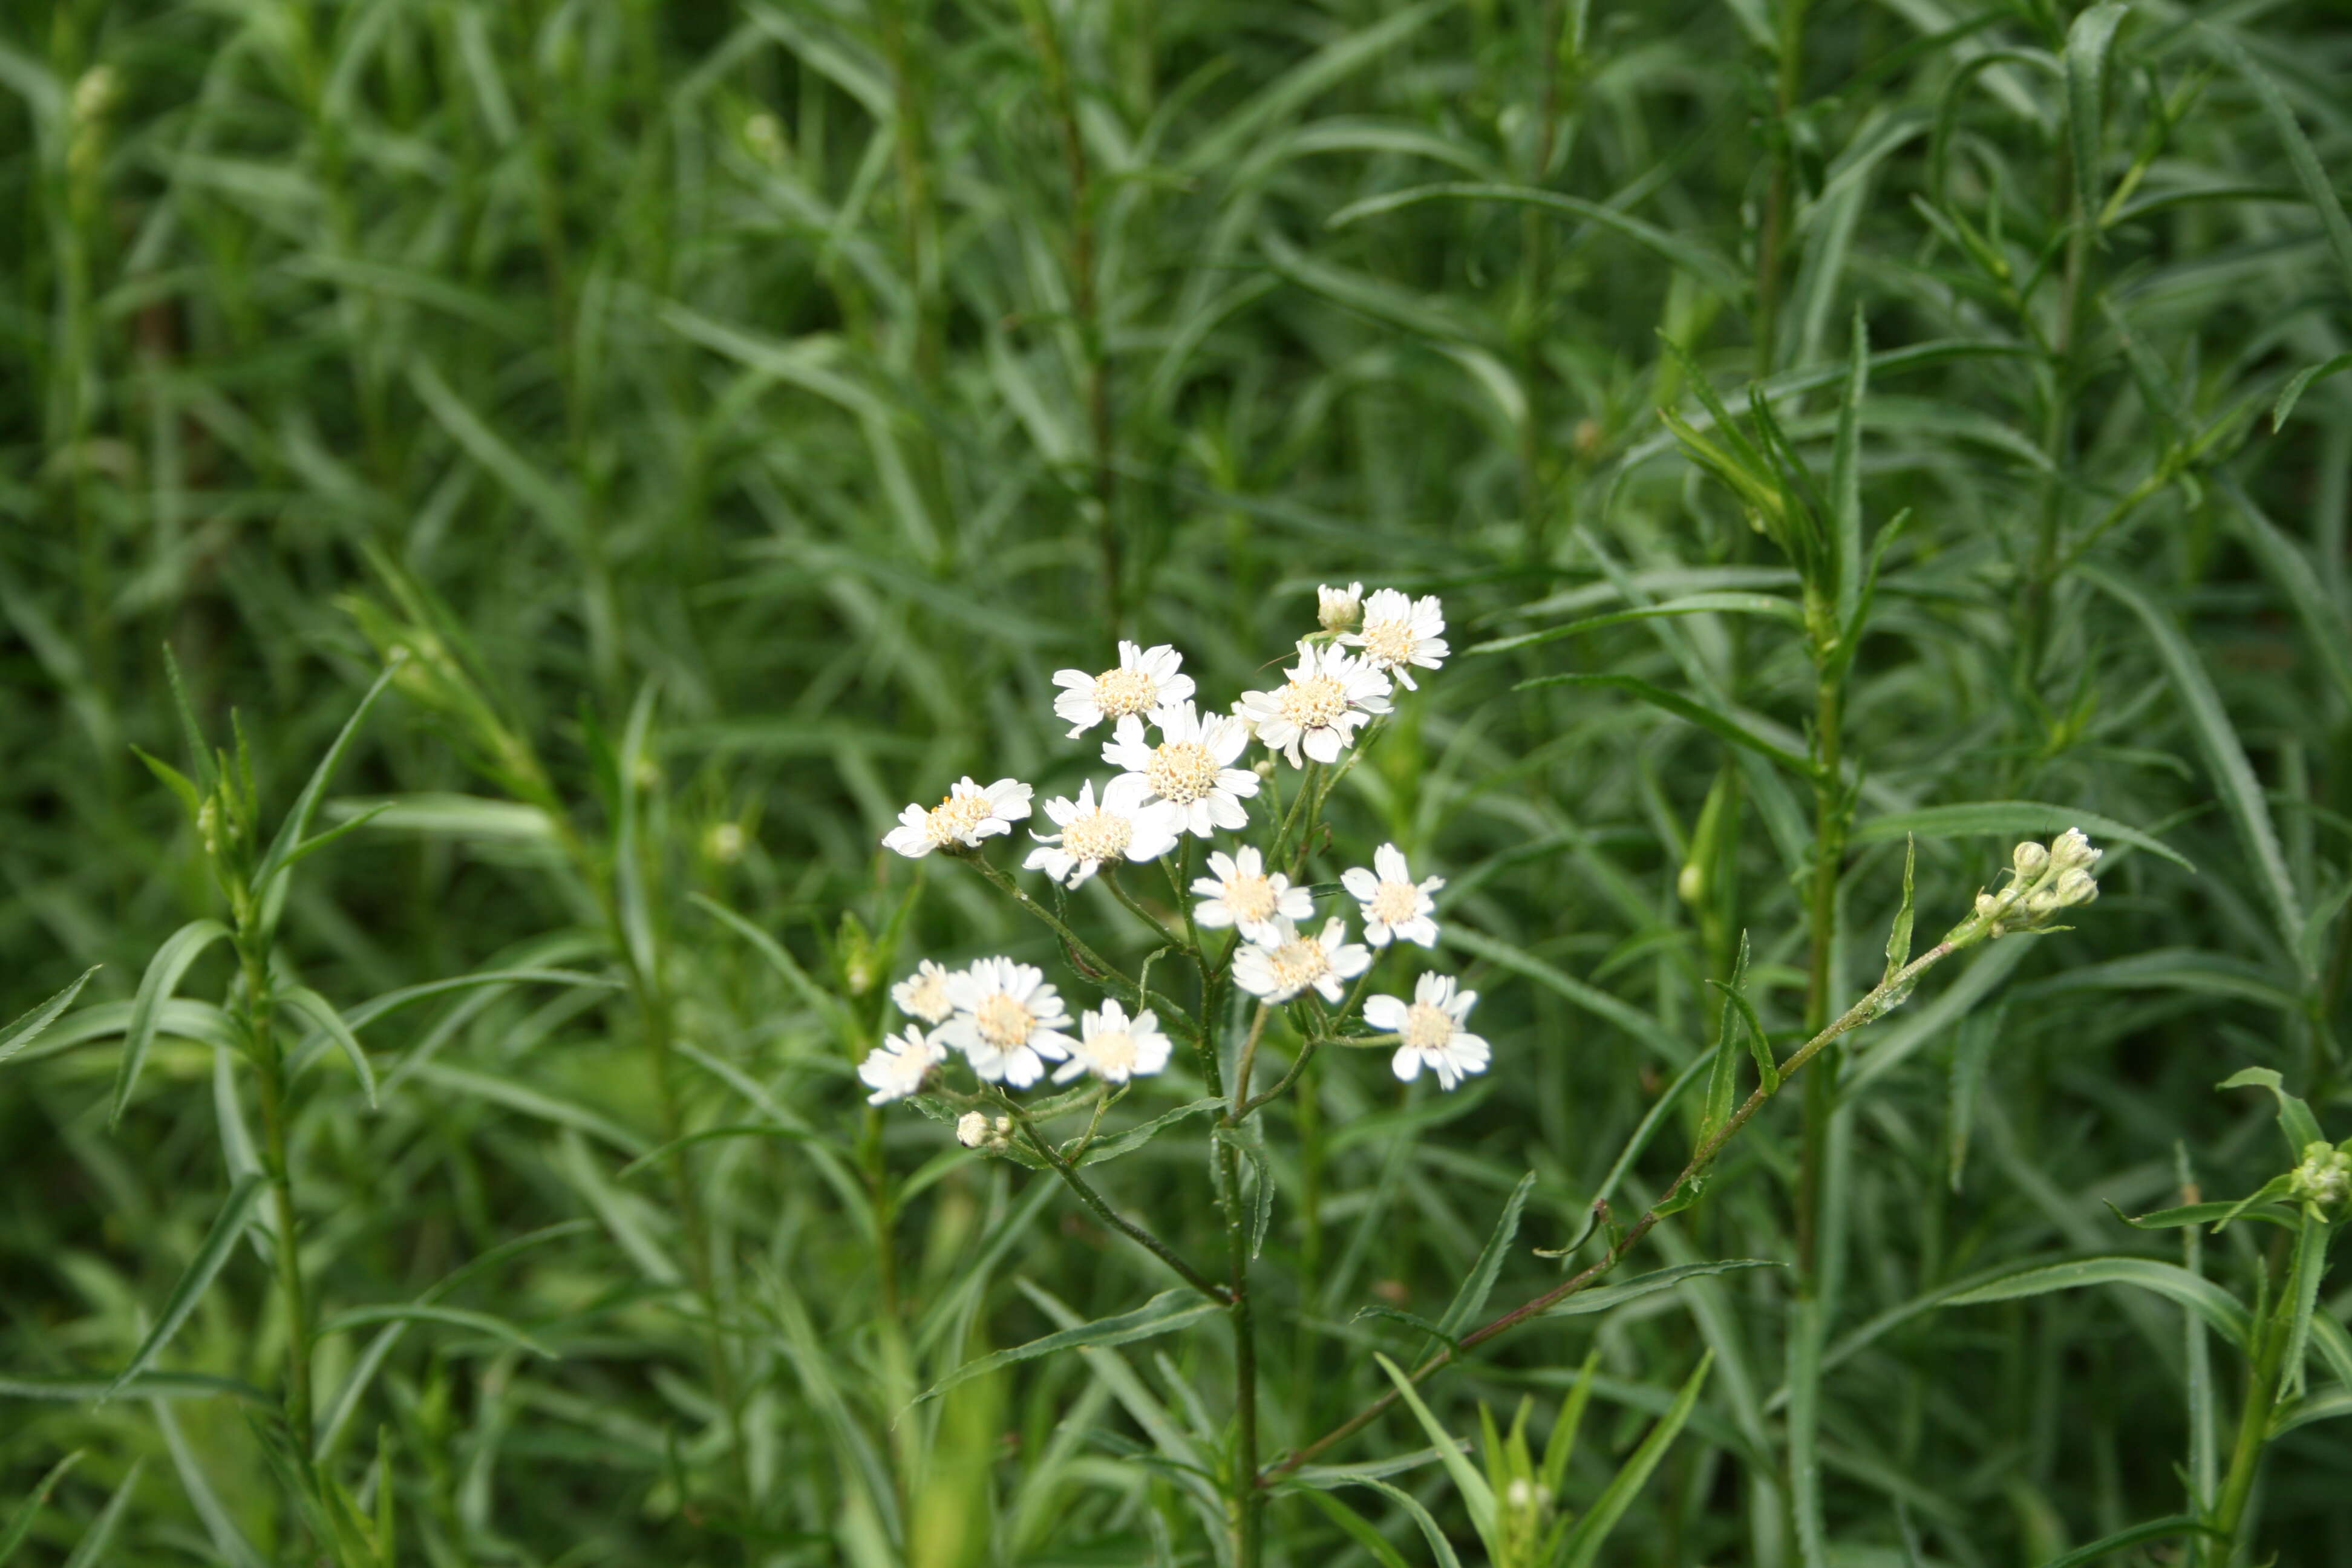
(726, 418)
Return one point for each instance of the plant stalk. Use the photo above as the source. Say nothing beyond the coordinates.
(268, 1057)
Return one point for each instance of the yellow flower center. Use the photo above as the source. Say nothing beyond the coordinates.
(1181, 770)
(1393, 903)
(1114, 1052)
(927, 998)
(1389, 642)
(1251, 899)
(952, 820)
(1121, 692)
(1003, 1022)
(1313, 703)
(1097, 836)
(1297, 964)
(1427, 1028)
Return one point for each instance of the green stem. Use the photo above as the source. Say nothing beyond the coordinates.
(1110, 1216)
(2254, 1426)
(260, 1020)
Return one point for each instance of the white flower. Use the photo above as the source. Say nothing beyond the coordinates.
(924, 994)
(1336, 609)
(1243, 895)
(1278, 969)
(1432, 1030)
(1399, 631)
(968, 815)
(1007, 1020)
(1191, 768)
(1115, 1049)
(1329, 694)
(1146, 678)
(896, 1067)
(1128, 822)
(1395, 907)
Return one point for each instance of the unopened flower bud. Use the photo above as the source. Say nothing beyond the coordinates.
(208, 825)
(2028, 858)
(1263, 767)
(2073, 887)
(972, 1129)
(1987, 904)
(724, 843)
(2070, 848)
(2323, 1178)
(1522, 1496)
(1339, 609)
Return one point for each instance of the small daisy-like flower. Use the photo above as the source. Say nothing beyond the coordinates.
(1328, 695)
(1396, 907)
(1127, 823)
(924, 994)
(1431, 1030)
(1242, 894)
(1278, 969)
(1191, 768)
(1115, 1049)
(1337, 609)
(968, 815)
(1007, 1020)
(1399, 632)
(1146, 678)
(896, 1067)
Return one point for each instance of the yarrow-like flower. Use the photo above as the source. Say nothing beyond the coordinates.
(1114, 1049)
(2323, 1178)
(1399, 632)
(924, 994)
(1278, 969)
(896, 1067)
(1242, 894)
(1431, 1032)
(1329, 694)
(1127, 823)
(968, 815)
(1145, 678)
(1337, 609)
(1395, 907)
(1191, 767)
(1007, 1021)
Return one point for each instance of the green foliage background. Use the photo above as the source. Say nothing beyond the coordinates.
(836, 372)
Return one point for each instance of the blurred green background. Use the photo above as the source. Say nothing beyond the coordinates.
(833, 373)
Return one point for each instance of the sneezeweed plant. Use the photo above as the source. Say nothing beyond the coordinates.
(1240, 936)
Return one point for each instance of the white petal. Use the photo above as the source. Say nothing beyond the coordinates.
(1325, 745)
(1384, 1013)
(1420, 929)
(1360, 884)
(1406, 1063)
(1389, 862)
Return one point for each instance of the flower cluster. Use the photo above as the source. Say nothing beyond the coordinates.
(2044, 879)
(2324, 1178)
(1180, 775)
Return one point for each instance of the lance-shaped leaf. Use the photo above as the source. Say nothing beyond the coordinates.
(1476, 1495)
(2010, 818)
(1167, 1310)
(12, 1539)
(219, 1245)
(2294, 1117)
(321, 1011)
(2149, 1530)
(1682, 707)
(2088, 44)
(181, 949)
(1585, 1541)
(1471, 1299)
(31, 1026)
(90, 1551)
(288, 842)
(2196, 1292)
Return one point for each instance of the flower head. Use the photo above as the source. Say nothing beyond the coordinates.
(1115, 1049)
(1430, 1029)
(1127, 823)
(1145, 678)
(1278, 969)
(976, 1131)
(966, 814)
(1191, 768)
(2324, 1178)
(1399, 632)
(1329, 693)
(896, 1067)
(1337, 609)
(1395, 907)
(1245, 895)
(1007, 1020)
(924, 994)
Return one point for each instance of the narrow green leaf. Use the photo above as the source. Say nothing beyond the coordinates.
(2153, 1529)
(219, 1246)
(2007, 817)
(1723, 1078)
(2333, 1343)
(1355, 1528)
(1701, 263)
(185, 787)
(1471, 1299)
(2225, 757)
(1899, 936)
(31, 1025)
(1608, 1298)
(192, 734)
(1560, 1447)
(819, 1000)
(2295, 389)
(20, 1526)
(1440, 1547)
(321, 1011)
(1112, 1146)
(181, 949)
(2089, 42)
(1719, 603)
(449, 1317)
(1476, 1495)
(2310, 1264)
(1682, 707)
(1845, 478)
(306, 806)
(227, 1539)
(1165, 1313)
(1584, 1543)
(2296, 1120)
(533, 1103)
(90, 1551)
(1591, 998)
(2204, 1213)
(2207, 1299)
(2309, 172)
